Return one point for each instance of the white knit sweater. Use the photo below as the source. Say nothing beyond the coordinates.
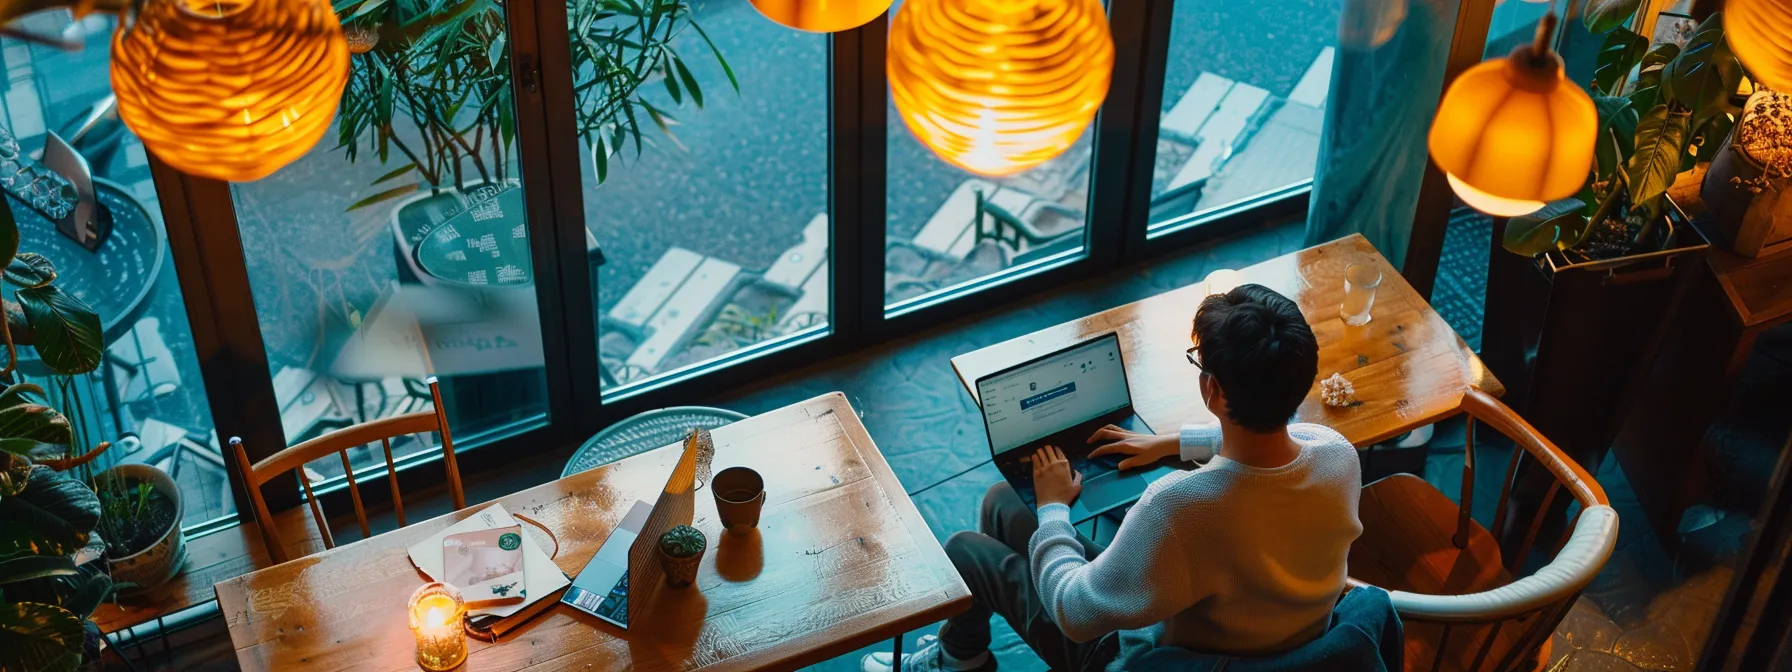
(1229, 558)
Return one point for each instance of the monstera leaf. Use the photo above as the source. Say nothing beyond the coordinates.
(1605, 15)
(68, 332)
(1546, 230)
(24, 416)
(37, 636)
(52, 516)
(1660, 140)
(1617, 55)
(1649, 73)
(1705, 74)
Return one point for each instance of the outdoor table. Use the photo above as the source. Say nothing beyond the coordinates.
(1408, 366)
(841, 559)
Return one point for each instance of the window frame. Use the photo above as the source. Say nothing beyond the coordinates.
(201, 219)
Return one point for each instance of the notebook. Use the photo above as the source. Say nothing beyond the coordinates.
(540, 576)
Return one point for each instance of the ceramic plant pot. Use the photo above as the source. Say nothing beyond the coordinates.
(161, 560)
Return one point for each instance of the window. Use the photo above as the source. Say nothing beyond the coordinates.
(402, 251)
(950, 230)
(709, 233)
(1242, 107)
(147, 397)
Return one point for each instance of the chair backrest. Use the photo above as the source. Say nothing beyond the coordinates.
(1533, 604)
(339, 442)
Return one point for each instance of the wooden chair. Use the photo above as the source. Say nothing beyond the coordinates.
(339, 442)
(1461, 606)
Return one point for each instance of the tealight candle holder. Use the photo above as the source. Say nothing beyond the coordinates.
(437, 611)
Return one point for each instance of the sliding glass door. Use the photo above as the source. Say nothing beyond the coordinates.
(400, 250)
(703, 137)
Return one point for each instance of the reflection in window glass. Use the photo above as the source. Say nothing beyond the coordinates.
(1244, 96)
(948, 228)
(147, 397)
(403, 252)
(712, 237)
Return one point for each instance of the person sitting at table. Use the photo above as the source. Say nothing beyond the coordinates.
(1242, 556)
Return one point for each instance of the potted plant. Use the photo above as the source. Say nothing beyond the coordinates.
(1746, 188)
(444, 70)
(50, 581)
(1572, 312)
(140, 514)
(681, 550)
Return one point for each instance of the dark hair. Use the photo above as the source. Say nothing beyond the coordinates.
(1260, 351)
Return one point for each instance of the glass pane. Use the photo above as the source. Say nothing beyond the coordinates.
(711, 235)
(939, 239)
(1244, 97)
(390, 258)
(147, 397)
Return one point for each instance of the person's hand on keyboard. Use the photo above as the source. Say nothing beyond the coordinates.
(1053, 480)
(1138, 450)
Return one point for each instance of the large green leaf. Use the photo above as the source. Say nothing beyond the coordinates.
(1545, 230)
(91, 589)
(23, 415)
(68, 332)
(1660, 140)
(1705, 74)
(52, 516)
(1617, 56)
(30, 567)
(39, 638)
(30, 269)
(1649, 71)
(1603, 15)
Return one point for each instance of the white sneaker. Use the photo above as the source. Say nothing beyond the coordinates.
(929, 656)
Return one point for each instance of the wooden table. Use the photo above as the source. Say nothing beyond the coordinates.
(1408, 366)
(841, 559)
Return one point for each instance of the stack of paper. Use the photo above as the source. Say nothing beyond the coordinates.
(540, 576)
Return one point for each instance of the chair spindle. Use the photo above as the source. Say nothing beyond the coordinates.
(1443, 644)
(1465, 514)
(1530, 534)
(354, 494)
(392, 480)
(1487, 645)
(317, 512)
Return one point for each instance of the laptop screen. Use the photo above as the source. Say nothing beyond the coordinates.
(1053, 393)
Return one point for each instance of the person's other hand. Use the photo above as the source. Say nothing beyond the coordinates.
(1140, 449)
(1053, 480)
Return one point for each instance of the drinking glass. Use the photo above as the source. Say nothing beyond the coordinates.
(1360, 282)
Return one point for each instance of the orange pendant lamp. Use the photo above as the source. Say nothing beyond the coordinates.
(821, 16)
(230, 89)
(999, 86)
(1513, 133)
(1760, 32)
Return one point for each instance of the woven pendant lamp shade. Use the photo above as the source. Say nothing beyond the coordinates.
(999, 86)
(230, 89)
(1513, 133)
(1760, 32)
(821, 16)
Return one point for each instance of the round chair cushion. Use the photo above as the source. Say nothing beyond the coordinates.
(645, 431)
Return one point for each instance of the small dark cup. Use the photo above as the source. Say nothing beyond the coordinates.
(739, 493)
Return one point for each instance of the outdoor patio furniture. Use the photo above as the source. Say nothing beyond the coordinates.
(340, 442)
(642, 432)
(671, 301)
(796, 265)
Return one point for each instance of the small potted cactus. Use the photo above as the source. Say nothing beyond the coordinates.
(681, 550)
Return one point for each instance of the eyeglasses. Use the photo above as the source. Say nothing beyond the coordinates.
(1194, 355)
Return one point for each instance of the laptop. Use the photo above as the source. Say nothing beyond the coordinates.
(1061, 399)
(620, 581)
